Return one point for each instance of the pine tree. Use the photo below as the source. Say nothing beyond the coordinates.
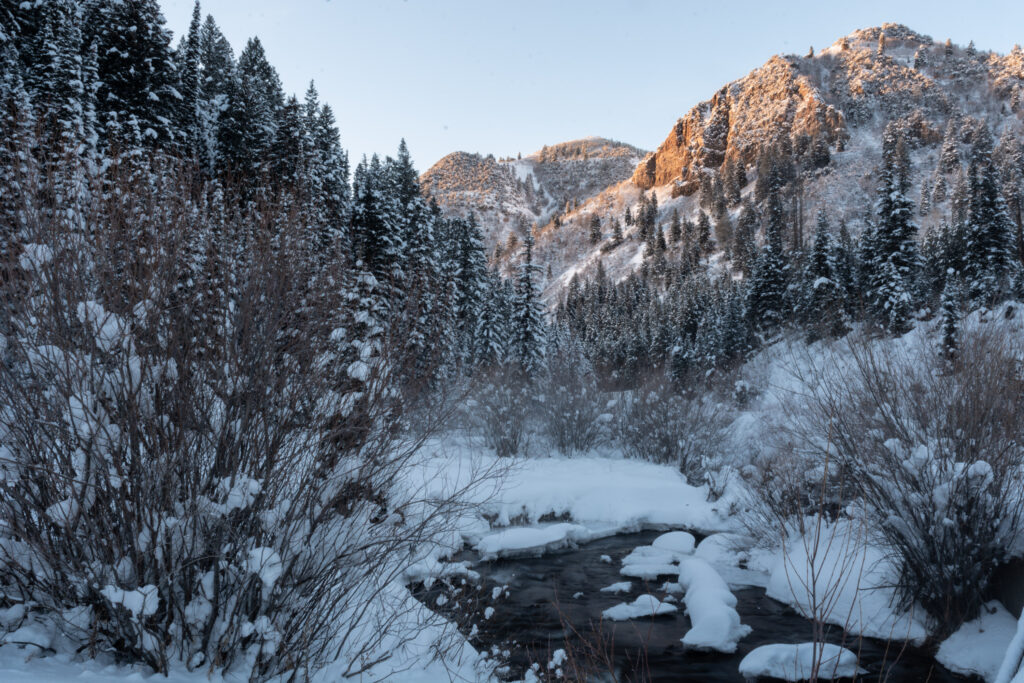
(950, 320)
(822, 297)
(675, 227)
(949, 156)
(595, 228)
(724, 233)
(920, 59)
(528, 336)
(376, 226)
(744, 247)
(216, 84)
(766, 295)
(939, 191)
(703, 246)
(138, 84)
(989, 250)
(189, 62)
(894, 257)
(256, 101)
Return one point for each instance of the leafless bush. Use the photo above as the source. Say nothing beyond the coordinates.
(933, 452)
(503, 405)
(659, 424)
(572, 407)
(200, 453)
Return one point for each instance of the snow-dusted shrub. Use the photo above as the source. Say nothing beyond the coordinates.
(658, 423)
(933, 452)
(572, 407)
(199, 456)
(502, 406)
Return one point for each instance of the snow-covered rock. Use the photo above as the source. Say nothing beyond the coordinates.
(646, 605)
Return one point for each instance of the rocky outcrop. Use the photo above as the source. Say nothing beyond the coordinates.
(797, 101)
(510, 194)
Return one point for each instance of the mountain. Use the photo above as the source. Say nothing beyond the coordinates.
(819, 117)
(507, 194)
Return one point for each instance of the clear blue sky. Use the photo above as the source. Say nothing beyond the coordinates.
(507, 77)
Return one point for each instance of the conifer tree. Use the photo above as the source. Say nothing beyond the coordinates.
(822, 297)
(595, 228)
(766, 295)
(894, 257)
(138, 86)
(256, 102)
(528, 336)
(949, 156)
(988, 228)
(703, 246)
(675, 227)
(950, 319)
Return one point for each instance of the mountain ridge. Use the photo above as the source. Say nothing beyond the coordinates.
(823, 114)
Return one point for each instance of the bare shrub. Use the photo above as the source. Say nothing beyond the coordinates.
(572, 407)
(201, 453)
(659, 424)
(502, 403)
(933, 452)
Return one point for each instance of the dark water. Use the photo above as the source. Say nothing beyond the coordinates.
(544, 610)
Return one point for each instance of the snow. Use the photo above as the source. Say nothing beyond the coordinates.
(679, 542)
(34, 256)
(852, 579)
(619, 587)
(711, 607)
(646, 605)
(266, 563)
(141, 602)
(520, 541)
(608, 495)
(977, 647)
(648, 562)
(796, 662)
(1010, 670)
(17, 665)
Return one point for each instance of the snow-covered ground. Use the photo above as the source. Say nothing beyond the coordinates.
(549, 502)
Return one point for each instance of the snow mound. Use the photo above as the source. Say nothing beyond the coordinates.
(646, 605)
(977, 647)
(796, 662)
(661, 558)
(678, 542)
(711, 607)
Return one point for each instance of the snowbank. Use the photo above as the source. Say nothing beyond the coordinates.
(521, 541)
(977, 647)
(796, 662)
(615, 494)
(711, 607)
(848, 574)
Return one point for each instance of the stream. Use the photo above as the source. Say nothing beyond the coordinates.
(535, 599)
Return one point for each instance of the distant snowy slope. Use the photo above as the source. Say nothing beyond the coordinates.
(822, 112)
